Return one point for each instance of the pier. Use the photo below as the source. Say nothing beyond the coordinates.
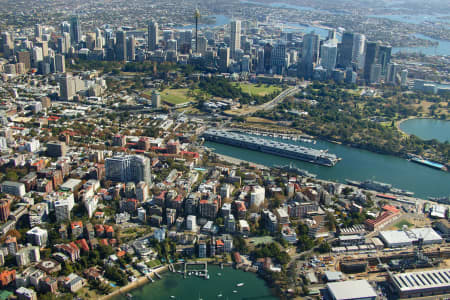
(202, 273)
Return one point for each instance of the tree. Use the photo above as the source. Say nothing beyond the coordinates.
(324, 247)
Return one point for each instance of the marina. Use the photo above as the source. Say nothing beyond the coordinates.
(320, 157)
(232, 284)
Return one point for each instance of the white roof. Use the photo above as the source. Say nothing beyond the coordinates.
(422, 280)
(411, 235)
(353, 289)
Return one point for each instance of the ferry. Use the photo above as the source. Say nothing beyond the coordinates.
(320, 157)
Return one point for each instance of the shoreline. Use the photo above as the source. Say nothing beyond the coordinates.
(133, 285)
(398, 123)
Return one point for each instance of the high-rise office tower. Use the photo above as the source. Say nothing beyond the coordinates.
(7, 44)
(172, 45)
(310, 49)
(60, 64)
(131, 48)
(328, 55)
(375, 73)
(127, 168)
(384, 57)
(44, 47)
(370, 58)
(67, 87)
(167, 35)
(359, 44)
(404, 78)
(185, 41)
(392, 71)
(279, 57)
(90, 40)
(202, 45)
(121, 45)
(260, 61)
(332, 34)
(235, 37)
(75, 30)
(153, 35)
(37, 31)
(24, 57)
(267, 57)
(346, 50)
(37, 55)
(98, 39)
(65, 27)
(67, 42)
(224, 59)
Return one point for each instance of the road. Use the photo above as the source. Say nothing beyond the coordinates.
(268, 105)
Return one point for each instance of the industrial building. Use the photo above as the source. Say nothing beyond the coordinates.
(421, 284)
(351, 290)
(405, 238)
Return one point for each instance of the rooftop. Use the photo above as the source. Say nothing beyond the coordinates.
(422, 280)
(353, 289)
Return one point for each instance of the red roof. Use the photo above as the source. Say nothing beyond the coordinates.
(104, 242)
(219, 243)
(121, 253)
(77, 224)
(391, 208)
(108, 228)
(83, 244)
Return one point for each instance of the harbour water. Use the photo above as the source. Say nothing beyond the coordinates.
(428, 129)
(195, 288)
(356, 164)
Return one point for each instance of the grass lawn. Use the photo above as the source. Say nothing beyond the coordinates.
(258, 89)
(153, 263)
(173, 96)
(400, 224)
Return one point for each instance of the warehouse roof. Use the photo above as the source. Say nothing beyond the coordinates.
(353, 289)
(411, 235)
(422, 280)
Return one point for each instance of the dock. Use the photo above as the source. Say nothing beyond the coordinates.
(203, 273)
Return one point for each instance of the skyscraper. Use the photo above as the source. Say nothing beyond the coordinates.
(328, 55)
(235, 38)
(98, 39)
(37, 31)
(60, 64)
(346, 50)
(131, 48)
(370, 58)
(66, 87)
(224, 59)
(359, 43)
(267, 57)
(127, 168)
(279, 57)
(121, 45)
(25, 58)
(153, 35)
(310, 49)
(75, 32)
(7, 44)
(384, 57)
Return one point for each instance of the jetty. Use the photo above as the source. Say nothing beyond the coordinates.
(203, 272)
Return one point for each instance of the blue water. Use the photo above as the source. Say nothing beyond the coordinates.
(295, 27)
(413, 19)
(443, 48)
(221, 20)
(356, 164)
(428, 129)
